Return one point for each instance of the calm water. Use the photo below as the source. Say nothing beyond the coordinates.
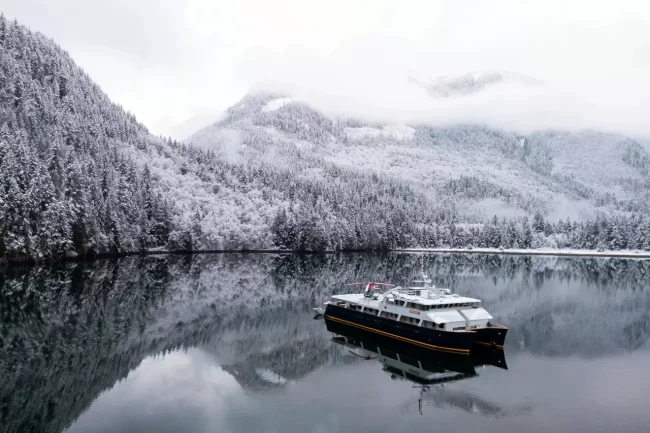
(226, 343)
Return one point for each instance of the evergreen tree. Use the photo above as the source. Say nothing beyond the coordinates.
(538, 222)
(527, 235)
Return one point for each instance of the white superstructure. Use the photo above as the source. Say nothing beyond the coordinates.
(425, 305)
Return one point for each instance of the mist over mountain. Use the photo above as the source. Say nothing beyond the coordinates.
(451, 85)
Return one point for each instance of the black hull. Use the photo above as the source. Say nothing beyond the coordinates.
(431, 339)
(494, 336)
(430, 360)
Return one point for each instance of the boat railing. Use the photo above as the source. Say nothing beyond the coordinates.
(431, 292)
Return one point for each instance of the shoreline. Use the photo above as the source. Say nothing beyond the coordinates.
(29, 262)
(532, 252)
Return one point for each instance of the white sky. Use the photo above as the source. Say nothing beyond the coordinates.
(178, 64)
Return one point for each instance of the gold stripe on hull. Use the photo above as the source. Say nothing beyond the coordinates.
(408, 340)
(498, 346)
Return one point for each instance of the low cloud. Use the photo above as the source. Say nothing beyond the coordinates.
(378, 90)
(171, 63)
(593, 61)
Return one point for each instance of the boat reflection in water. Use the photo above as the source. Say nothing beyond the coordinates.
(426, 369)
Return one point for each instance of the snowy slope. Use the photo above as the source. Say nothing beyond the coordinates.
(559, 174)
(80, 176)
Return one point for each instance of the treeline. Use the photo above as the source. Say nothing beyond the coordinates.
(304, 231)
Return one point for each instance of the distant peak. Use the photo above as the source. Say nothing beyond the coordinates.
(472, 82)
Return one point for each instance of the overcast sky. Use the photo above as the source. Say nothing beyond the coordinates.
(178, 64)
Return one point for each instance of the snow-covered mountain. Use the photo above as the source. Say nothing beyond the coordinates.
(475, 169)
(473, 82)
(82, 177)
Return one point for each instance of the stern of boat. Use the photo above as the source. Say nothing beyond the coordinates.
(491, 336)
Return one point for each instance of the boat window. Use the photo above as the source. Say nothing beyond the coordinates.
(441, 326)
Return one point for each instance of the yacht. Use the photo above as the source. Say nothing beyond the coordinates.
(422, 314)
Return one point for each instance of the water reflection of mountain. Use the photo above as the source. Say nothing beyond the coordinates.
(272, 369)
(68, 333)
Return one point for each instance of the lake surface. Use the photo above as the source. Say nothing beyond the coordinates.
(226, 343)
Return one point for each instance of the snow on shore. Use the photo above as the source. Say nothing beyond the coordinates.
(534, 252)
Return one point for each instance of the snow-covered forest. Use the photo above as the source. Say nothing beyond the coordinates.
(80, 176)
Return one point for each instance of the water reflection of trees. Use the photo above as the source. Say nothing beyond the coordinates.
(69, 332)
